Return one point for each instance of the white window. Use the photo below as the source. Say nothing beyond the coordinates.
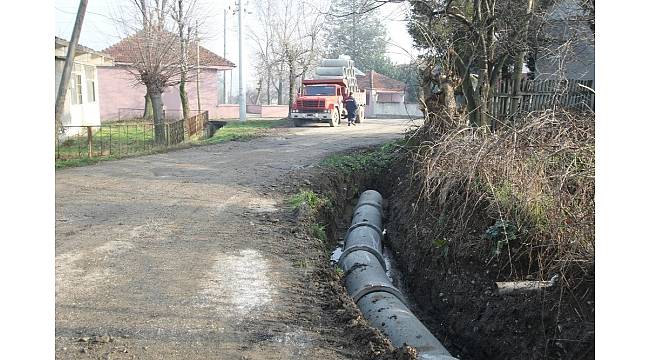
(90, 84)
(75, 85)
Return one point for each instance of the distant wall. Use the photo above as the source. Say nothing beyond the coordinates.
(274, 111)
(396, 110)
(268, 111)
(225, 111)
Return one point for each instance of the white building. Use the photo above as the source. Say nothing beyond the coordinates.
(386, 97)
(81, 106)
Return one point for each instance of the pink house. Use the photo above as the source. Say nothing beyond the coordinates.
(123, 97)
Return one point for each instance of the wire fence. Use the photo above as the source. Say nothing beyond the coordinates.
(138, 115)
(116, 140)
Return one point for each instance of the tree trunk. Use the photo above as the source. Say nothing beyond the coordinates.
(158, 118)
(449, 97)
(148, 109)
(184, 103)
(292, 85)
(181, 87)
(519, 64)
(472, 109)
(268, 87)
(280, 97)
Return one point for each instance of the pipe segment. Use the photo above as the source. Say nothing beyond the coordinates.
(367, 214)
(387, 312)
(371, 197)
(364, 238)
(381, 303)
(364, 274)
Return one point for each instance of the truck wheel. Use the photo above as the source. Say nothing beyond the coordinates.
(336, 118)
(361, 116)
(297, 122)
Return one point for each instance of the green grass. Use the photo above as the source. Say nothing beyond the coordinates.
(318, 231)
(108, 143)
(375, 159)
(237, 131)
(138, 139)
(308, 197)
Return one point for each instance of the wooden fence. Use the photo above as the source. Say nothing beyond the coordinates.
(541, 95)
(195, 124)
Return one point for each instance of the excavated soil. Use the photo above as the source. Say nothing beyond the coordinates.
(462, 305)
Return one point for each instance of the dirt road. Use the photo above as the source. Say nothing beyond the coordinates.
(190, 254)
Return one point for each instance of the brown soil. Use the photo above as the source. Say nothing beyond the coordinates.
(195, 254)
(460, 300)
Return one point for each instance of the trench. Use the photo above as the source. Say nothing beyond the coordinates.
(393, 270)
(337, 219)
(457, 300)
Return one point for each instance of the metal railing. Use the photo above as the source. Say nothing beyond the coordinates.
(109, 140)
(137, 114)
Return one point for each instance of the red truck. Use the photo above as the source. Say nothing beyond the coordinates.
(321, 100)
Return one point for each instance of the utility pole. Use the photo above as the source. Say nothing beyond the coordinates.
(242, 93)
(198, 70)
(225, 29)
(67, 67)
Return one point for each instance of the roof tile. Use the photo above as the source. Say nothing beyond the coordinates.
(379, 82)
(125, 51)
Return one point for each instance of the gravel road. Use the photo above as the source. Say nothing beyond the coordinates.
(190, 254)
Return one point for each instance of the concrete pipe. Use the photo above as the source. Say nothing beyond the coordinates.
(371, 289)
(364, 274)
(336, 63)
(370, 197)
(367, 215)
(387, 312)
(331, 71)
(326, 77)
(364, 238)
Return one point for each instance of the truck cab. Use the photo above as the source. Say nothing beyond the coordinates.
(322, 101)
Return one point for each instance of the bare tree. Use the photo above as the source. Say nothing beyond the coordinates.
(181, 16)
(289, 42)
(155, 51)
(298, 39)
(471, 41)
(262, 35)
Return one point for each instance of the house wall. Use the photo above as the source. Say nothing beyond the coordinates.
(253, 109)
(85, 113)
(120, 90)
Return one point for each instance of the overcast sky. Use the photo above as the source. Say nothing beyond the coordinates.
(99, 31)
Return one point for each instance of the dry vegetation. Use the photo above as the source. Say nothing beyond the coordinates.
(522, 197)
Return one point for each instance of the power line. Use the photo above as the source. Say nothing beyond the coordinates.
(87, 12)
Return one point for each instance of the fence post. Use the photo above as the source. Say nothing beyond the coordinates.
(90, 141)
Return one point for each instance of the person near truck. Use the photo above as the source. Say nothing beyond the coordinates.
(351, 108)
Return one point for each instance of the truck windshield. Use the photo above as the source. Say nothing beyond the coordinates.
(320, 90)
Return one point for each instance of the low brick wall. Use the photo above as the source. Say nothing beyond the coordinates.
(225, 111)
(253, 109)
(274, 111)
